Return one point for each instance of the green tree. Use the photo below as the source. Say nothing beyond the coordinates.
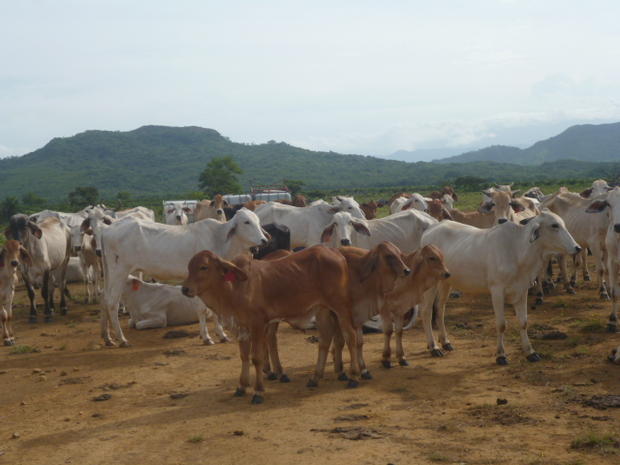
(81, 197)
(293, 185)
(220, 177)
(33, 201)
(123, 199)
(8, 207)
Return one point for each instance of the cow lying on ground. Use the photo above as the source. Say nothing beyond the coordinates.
(251, 293)
(503, 260)
(156, 305)
(11, 256)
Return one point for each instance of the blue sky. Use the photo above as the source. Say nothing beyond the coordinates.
(350, 76)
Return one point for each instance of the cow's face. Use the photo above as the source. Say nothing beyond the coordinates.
(432, 263)
(599, 187)
(609, 204)
(246, 228)
(207, 273)
(499, 203)
(348, 205)
(76, 238)
(177, 214)
(341, 229)
(388, 262)
(417, 202)
(550, 230)
(12, 255)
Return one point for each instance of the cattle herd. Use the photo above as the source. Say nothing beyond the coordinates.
(332, 265)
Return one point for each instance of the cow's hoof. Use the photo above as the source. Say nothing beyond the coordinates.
(224, 340)
(9, 342)
(386, 364)
(271, 376)
(63, 310)
(403, 363)
(570, 291)
(208, 342)
(109, 343)
(501, 360)
(352, 384)
(436, 353)
(124, 344)
(32, 319)
(539, 301)
(611, 327)
(343, 377)
(312, 383)
(257, 399)
(366, 375)
(587, 278)
(447, 346)
(285, 379)
(534, 357)
(239, 392)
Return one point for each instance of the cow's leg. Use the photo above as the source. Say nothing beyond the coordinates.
(46, 294)
(244, 354)
(443, 294)
(584, 264)
(338, 349)
(539, 288)
(388, 329)
(258, 354)
(32, 297)
(152, 323)
(564, 274)
(497, 298)
(63, 289)
(598, 253)
(326, 328)
(577, 262)
(365, 374)
(400, 351)
(219, 329)
(613, 268)
(350, 337)
(9, 311)
(204, 331)
(4, 322)
(427, 314)
(273, 354)
(548, 283)
(109, 315)
(520, 307)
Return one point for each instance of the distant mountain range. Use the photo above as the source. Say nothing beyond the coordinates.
(164, 161)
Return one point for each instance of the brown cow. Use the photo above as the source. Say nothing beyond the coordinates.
(438, 210)
(254, 293)
(498, 208)
(10, 257)
(370, 209)
(211, 209)
(449, 190)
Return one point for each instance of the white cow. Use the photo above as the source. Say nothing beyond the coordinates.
(155, 305)
(306, 224)
(599, 187)
(163, 251)
(137, 212)
(403, 229)
(503, 260)
(612, 242)
(416, 201)
(176, 213)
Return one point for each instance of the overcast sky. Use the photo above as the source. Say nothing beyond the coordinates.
(350, 76)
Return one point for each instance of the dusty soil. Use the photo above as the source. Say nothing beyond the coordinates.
(169, 401)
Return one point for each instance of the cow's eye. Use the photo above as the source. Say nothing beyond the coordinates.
(204, 268)
(433, 259)
(247, 222)
(555, 226)
(350, 208)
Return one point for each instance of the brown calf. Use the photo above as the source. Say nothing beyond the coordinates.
(370, 209)
(255, 293)
(438, 210)
(10, 257)
(445, 190)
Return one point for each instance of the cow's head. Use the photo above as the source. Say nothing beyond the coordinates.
(417, 202)
(438, 210)
(549, 230)
(497, 202)
(177, 214)
(12, 255)
(349, 205)
(341, 228)
(386, 262)
(207, 273)
(21, 228)
(608, 204)
(428, 267)
(245, 228)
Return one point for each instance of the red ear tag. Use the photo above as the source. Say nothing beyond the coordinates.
(135, 285)
(230, 276)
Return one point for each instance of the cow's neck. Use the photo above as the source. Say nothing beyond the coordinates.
(532, 256)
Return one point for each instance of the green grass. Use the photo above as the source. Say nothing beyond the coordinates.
(23, 349)
(605, 444)
(196, 439)
(438, 457)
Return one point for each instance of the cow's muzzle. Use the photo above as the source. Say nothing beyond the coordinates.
(14, 263)
(98, 252)
(407, 271)
(617, 227)
(577, 249)
(345, 242)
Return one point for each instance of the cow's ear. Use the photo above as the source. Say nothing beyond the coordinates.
(487, 192)
(7, 233)
(231, 232)
(526, 220)
(407, 205)
(517, 207)
(328, 233)
(35, 230)
(597, 206)
(515, 192)
(455, 197)
(267, 235)
(135, 284)
(107, 220)
(587, 193)
(187, 209)
(535, 234)
(24, 256)
(369, 265)
(446, 214)
(361, 228)
(333, 210)
(2, 254)
(232, 272)
(85, 225)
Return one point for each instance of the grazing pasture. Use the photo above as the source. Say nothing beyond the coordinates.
(67, 399)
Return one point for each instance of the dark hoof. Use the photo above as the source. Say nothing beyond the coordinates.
(501, 360)
(570, 291)
(239, 392)
(312, 383)
(403, 363)
(436, 353)
(604, 296)
(448, 347)
(587, 278)
(366, 375)
(539, 301)
(343, 377)
(257, 399)
(352, 384)
(63, 311)
(611, 327)
(32, 319)
(9, 342)
(386, 364)
(534, 357)
(285, 379)
(271, 376)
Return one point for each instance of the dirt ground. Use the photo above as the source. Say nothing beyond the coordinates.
(434, 411)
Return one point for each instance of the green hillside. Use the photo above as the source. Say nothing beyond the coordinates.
(160, 160)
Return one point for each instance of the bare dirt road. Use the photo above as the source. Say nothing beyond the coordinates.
(169, 401)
